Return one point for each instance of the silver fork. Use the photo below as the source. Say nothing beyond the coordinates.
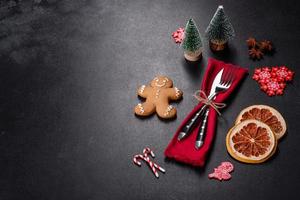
(225, 83)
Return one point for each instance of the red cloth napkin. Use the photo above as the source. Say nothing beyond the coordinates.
(184, 150)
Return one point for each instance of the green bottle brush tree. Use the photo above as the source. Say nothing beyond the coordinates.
(219, 30)
(192, 43)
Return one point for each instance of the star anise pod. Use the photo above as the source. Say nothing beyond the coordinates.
(251, 42)
(255, 54)
(266, 46)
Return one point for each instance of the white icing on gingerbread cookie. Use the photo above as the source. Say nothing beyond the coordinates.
(169, 108)
(160, 83)
(141, 108)
(142, 89)
(177, 92)
(157, 93)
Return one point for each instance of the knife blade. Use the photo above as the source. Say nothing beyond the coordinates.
(191, 124)
(216, 81)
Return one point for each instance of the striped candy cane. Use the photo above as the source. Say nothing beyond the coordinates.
(146, 158)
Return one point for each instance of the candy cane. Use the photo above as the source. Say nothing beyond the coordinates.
(146, 158)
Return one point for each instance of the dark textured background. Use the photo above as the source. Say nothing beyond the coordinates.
(69, 70)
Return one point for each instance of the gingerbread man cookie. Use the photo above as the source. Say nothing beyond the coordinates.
(157, 96)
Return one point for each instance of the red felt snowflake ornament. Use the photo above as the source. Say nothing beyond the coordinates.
(178, 35)
(273, 87)
(283, 73)
(262, 74)
(273, 80)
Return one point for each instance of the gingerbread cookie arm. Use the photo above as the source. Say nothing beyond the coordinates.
(174, 93)
(143, 91)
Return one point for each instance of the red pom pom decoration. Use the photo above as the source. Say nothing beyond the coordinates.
(273, 80)
(178, 35)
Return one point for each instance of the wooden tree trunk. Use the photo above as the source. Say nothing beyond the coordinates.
(216, 45)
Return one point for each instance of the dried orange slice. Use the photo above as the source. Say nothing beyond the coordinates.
(266, 114)
(251, 141)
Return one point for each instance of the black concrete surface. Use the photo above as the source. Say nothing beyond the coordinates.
(69, 70)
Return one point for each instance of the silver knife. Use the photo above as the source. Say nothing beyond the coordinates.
(200, 135)
(186, 130)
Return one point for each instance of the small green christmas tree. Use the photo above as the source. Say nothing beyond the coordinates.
(219, 29)
(192, 42)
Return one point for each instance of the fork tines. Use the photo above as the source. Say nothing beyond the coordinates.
(228, 75)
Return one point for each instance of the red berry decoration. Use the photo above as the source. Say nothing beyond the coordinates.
(178, 35)
(273, 80)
